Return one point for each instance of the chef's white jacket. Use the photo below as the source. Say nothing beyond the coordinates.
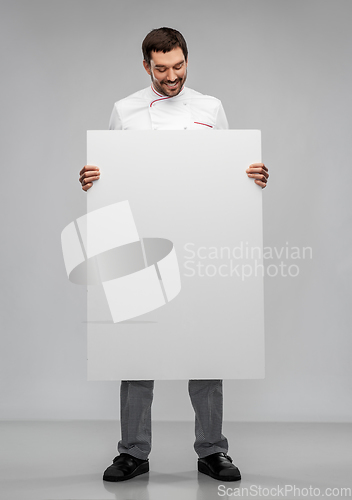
(149, 110)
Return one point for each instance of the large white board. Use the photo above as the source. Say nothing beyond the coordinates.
(189, 189)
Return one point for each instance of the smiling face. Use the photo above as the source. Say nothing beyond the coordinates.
(168, 71)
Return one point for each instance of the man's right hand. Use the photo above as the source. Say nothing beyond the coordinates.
(88, 174)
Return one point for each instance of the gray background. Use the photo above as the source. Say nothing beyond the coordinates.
(279, 66)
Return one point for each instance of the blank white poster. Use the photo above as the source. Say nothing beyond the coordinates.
(173, 247)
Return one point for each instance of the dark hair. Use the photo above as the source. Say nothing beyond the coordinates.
(163, 40)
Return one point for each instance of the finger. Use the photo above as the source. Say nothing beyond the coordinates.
(88, 177)
(258, 170)
(255, 165)
(85, 183)
(89, 173)
(260, 174)
(84, 180)
(89, 180)
(260, 183)
(261, 177)
(87, 186)
(87, 168)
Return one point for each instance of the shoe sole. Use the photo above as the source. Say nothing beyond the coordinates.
(141, 469)
(205, 470)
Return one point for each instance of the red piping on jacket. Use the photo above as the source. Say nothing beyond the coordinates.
(163, 97)
(155, 92)
(199, 123)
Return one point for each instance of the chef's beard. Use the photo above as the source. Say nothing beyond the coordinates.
(161, 90)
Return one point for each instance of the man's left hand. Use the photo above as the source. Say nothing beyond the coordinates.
(259, 173)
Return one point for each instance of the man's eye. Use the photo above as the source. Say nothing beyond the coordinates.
(178, 67)
(161, 70)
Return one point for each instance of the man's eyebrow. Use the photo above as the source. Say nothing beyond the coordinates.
(163, 65)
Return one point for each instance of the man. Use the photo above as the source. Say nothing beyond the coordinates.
(168, 104)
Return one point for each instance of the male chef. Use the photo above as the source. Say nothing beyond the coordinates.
(167, 104)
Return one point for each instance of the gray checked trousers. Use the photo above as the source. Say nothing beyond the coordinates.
(136, 426)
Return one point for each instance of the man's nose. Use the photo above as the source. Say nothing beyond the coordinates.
(171, 75)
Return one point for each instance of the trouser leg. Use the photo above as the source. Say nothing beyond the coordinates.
(136, 398)
(206, 398)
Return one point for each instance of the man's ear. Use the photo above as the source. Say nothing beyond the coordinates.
(147, 67)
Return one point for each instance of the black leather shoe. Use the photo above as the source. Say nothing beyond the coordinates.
(219, 466)
(124, 466)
